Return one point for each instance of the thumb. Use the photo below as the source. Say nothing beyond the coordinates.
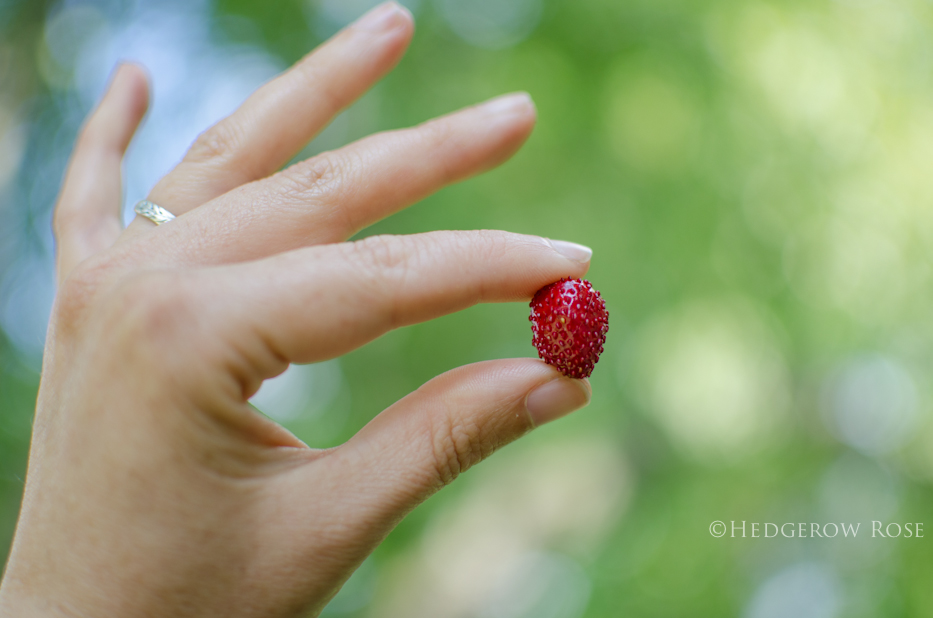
(404, 455)
(453, 422)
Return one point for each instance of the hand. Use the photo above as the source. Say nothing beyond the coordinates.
(154, 489)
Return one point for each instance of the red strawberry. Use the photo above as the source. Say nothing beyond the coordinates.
(569, 321)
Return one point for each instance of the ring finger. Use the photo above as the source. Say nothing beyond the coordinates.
(330, 197)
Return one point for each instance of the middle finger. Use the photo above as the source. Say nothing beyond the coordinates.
(332, 196)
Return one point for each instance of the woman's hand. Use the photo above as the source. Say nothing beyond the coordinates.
(154, 489)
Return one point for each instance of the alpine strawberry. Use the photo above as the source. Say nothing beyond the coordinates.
(569, 322)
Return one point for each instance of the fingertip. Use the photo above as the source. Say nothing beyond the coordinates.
(511, 104)
(400, 37)
(398, 34)
(509, 119)
(381, 36)
(574, 252)
(386, 18)
(527, 105)
(525, 123)
(518, 109)
(406, 19)
(123, 104)
(524, 115)
(557, 398)
(133, 79)
(398, 6)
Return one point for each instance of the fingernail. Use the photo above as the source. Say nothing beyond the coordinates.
(557, 398)
(571, 250)
(383, 17)
(508, 103)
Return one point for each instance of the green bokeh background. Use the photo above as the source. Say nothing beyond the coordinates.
(755, 181)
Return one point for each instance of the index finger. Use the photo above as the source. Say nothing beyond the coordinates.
(317, 303)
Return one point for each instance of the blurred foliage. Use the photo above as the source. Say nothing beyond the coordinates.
(753, 178)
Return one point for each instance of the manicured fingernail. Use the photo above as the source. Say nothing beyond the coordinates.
(383, 17)
(508, 103)
(557, 398)
(571, 250)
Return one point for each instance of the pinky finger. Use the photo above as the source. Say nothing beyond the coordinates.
(87, 216)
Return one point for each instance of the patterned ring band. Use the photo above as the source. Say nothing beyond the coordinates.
(153, 212)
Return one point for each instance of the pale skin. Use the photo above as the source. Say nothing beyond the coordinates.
(153, 488)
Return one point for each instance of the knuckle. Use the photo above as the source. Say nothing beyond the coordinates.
(439, 137)
(498, 245)
(386, 262)
(319, 175)
(384, 254)
(221, 141)
(338, 173)
(437, 131)
(457, 445)
(329, 178)
(382, 267)
(327, 96)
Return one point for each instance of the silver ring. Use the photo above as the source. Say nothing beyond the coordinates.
(153, 212)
